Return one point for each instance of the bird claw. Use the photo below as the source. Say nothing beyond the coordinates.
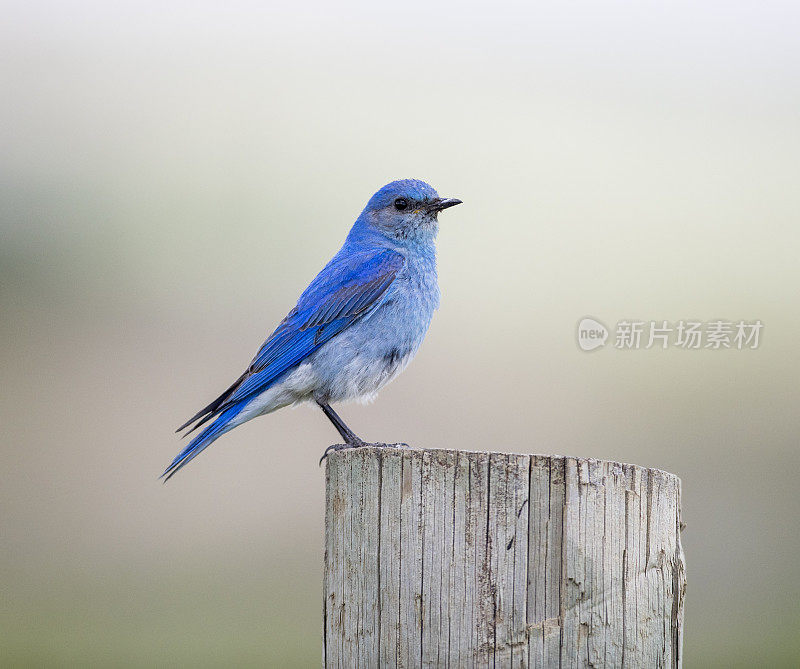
(333, 448)
(339, 447)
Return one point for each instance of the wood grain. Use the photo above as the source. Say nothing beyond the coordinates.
(441, 558)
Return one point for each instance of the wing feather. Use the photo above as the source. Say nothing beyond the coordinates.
(347, 289)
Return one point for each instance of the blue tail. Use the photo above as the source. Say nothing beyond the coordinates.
(203, 440)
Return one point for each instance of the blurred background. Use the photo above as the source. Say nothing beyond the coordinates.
(173, 175)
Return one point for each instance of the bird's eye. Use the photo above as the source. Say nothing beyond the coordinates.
(400, 203)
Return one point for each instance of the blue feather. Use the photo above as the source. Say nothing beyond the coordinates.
(333, 302)
(341, 294)
(202, 441)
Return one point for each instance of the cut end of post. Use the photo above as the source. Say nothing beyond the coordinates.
(341, 448)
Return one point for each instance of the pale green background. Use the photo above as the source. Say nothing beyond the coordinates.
(172, 176)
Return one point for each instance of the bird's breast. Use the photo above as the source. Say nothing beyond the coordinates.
(414, 299)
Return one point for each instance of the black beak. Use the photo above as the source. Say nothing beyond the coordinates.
(442, 203)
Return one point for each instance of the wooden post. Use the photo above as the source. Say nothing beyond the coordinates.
(441, 558)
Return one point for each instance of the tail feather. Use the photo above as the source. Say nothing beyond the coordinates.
(208, 412)
(202, 441)
(197, 425)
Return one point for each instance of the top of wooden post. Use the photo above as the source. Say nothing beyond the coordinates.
(395, 448)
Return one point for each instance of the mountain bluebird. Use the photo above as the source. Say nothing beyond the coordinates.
(354, 329)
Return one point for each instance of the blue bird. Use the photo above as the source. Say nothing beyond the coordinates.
(354, 329)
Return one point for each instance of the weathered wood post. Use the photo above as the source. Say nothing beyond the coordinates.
(462, 559)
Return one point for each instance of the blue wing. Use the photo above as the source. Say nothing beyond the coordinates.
(349, 287)
(339, 296)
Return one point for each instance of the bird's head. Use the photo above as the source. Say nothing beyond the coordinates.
(406, 211)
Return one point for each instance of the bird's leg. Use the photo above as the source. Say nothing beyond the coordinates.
(350, 438)
(348, 435)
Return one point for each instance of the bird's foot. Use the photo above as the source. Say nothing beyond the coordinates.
(341, 447)
(357, 444)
